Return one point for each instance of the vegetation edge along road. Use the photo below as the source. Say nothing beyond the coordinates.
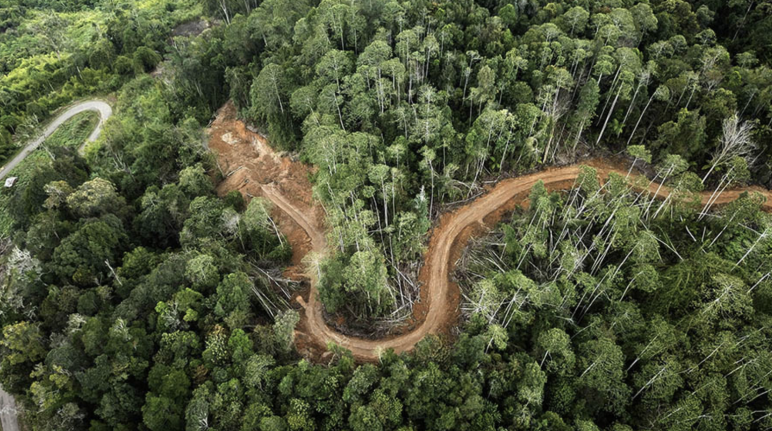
(439, 262)
(101, 107)
(8, 414)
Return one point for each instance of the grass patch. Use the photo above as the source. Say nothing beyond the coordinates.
(72, 134)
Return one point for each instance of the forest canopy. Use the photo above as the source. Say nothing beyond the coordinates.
(136, 297)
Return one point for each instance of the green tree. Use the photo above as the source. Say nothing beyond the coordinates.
(284, 330)
(24, 343)
(233, 299)
(555, 352)
(268, 90)
(601, 374)
(366, 276)
(96, 198)
(87, 253)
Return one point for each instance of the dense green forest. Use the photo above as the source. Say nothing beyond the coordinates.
(392, 101)
(133, 297)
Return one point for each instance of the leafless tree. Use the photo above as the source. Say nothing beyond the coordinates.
(735, 142)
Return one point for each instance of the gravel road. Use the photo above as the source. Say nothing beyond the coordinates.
(99, 106)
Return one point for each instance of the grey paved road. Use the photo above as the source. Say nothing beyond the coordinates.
(8, 420)
(102, 108)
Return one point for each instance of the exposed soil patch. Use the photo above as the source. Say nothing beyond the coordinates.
(251, 167)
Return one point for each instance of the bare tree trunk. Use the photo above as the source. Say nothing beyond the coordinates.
(637, 123)
(608, 117)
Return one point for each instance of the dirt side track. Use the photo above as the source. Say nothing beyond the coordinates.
(447, 239)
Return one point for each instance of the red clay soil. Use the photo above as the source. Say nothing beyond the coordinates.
(286, 184)
(253, 168)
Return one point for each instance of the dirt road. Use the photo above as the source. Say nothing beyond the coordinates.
(102, 108)
(444, 245)
(254, 169)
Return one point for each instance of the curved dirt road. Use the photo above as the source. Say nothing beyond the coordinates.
(102, 108)
(439, 260)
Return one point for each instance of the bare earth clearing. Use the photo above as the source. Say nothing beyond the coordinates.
(254, 169)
